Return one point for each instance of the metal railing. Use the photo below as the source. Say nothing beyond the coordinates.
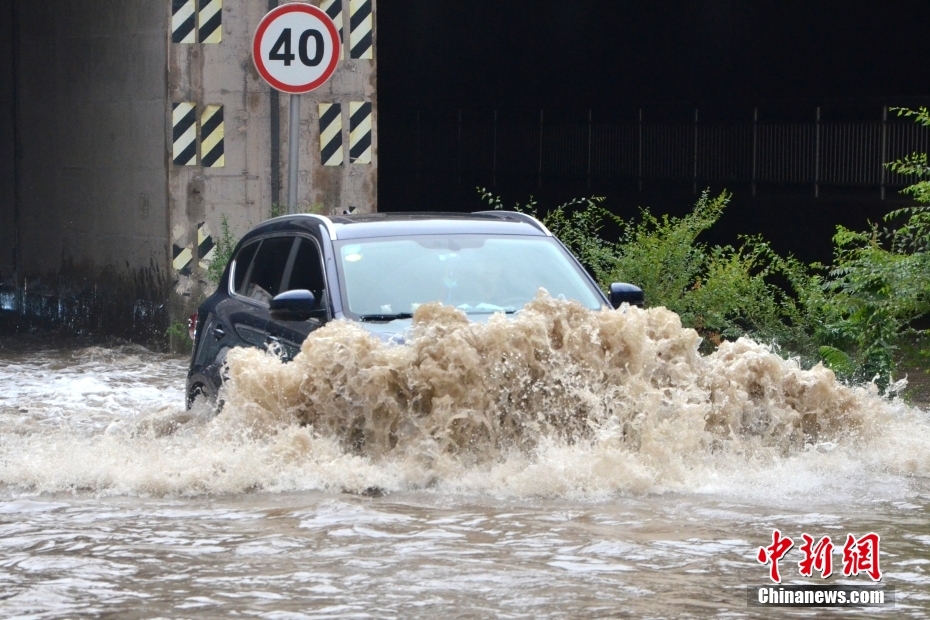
(483, 145)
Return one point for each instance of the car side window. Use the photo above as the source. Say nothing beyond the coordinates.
(263, 279)
(307, 271)
(242, 266)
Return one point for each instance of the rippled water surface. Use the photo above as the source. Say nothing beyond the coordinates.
(309, 500)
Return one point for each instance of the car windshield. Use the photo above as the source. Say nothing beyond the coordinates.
(388, 277)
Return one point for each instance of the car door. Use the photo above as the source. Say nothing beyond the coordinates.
(232, 322)
(255, 286)
(303, 271)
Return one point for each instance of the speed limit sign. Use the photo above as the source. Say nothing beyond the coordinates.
(296, 48)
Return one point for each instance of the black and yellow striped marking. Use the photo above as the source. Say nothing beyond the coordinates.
(331, 152)
(182, 257)
(211, 137)
(210, 20)
(361, 22)
(184, 134)
(182, 21)
(333, 8)
(360, 132)
(205, 244)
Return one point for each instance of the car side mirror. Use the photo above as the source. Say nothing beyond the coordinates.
(296, 305)
(621, 292)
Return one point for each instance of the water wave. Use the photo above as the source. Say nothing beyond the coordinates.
(557, 400)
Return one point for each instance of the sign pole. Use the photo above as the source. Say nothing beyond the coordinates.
(293, 153)
(296, 50)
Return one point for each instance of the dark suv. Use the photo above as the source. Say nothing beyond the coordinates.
(292, 274)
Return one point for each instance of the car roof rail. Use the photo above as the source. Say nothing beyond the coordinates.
(324, 221)
(523, 217)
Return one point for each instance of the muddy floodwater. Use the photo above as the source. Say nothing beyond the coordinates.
(562, 463)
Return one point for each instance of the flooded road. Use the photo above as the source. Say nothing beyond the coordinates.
(115, 502)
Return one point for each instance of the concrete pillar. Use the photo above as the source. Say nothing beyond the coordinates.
(89, 173)
(219, 71)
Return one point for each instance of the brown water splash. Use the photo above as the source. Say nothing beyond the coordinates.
(555, 371)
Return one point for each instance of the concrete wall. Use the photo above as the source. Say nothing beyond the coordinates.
(92, 186)
(7, 163)
(334, 189)
(91, 119)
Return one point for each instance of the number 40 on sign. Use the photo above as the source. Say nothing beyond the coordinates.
(296, 48)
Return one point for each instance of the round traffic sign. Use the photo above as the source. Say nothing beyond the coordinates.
(296, 48)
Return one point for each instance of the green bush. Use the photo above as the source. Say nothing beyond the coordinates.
(663, 256)
(178, 332)
(225, 244)
(872, 297)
